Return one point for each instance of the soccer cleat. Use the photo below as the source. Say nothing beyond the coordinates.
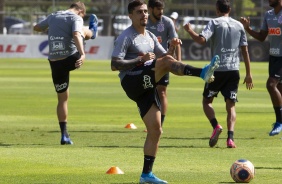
(208, 70)
(65, 140)
(277, 128)
(215, 134)
(230, 143)
(151, 178)
(93, 25)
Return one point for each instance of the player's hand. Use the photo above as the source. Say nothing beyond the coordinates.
(249, 82)
(148, 56)
(246, 22)
(79, 62)
(187, 27)
(175, 41)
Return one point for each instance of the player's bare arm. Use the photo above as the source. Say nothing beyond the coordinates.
(79, 44)
(173, 46)
(122, 64)
(195, 36)
(39, 29)
(248, 79)
(261, 36)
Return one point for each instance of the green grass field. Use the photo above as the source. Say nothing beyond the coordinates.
(30, 150)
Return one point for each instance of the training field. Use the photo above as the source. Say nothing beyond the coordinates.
(30, 150)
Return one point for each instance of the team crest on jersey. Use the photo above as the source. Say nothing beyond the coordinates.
(160, 27)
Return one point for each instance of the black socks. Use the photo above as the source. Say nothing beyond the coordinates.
(148, 164)
(192, 71)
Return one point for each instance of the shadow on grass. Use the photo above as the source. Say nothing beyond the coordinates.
(95, 131)
(10, 145)
(201, 138)
(4, 145)
(274, 168)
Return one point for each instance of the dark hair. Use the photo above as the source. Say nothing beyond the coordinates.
(78, 6)
(223, 6)
(133, 4)
(156, 3)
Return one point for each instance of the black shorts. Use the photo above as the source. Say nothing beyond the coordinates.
(61, 72)
(275, 67)
(164, 81)
(140, 86)
(226, 83)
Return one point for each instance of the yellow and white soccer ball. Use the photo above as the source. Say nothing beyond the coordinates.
(242, 171)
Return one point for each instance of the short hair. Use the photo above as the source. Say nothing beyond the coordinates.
(78, 6)
(223, 6)
(156, 3)
(133, 4)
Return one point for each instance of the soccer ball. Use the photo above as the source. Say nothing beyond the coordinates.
(242, 171)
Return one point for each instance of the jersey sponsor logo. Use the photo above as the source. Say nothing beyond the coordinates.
(58, 45)
(274, 31)
(274, 51)
(56, 38)
(12, 48)
(227, 50)
(147, 82)
(44, 49)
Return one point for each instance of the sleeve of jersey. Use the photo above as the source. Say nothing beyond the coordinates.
(77, 25)
(172, 32)
(44, 23)
(120, 46)
(208, 31)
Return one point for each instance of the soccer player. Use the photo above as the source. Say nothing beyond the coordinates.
(142, 62)
(66, 52)
(163, 28)
(272, 27)
(227, 36)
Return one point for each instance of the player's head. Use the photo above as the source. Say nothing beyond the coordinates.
(138, 12)
(274, 3)
(80, 7)
(133, 4)
(223, 6)
(156, 8)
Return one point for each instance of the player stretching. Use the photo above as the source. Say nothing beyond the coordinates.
(142, 62)
(66, 35)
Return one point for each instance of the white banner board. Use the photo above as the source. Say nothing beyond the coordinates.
(36, 46)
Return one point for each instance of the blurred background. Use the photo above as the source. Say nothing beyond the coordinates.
(18, 16)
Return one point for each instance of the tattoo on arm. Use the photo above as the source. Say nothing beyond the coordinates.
(121, 64)
(171, 50)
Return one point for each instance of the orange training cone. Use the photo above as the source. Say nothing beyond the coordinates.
(130, 126)
(114, 170)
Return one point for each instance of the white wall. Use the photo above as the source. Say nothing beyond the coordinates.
(36, 46)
